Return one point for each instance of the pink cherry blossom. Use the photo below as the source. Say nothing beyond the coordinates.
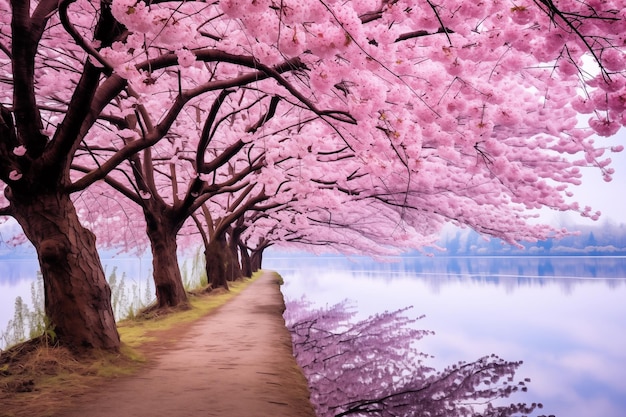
(19, 150)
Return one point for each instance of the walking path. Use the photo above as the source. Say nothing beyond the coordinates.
(236, 362)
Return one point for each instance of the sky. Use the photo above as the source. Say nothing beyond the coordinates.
(607, 197)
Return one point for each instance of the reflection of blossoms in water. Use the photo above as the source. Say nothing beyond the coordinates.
(372, 368)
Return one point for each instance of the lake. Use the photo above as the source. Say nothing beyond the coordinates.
(565, 318)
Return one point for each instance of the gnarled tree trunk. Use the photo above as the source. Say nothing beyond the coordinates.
(170, 291)
(77, 296)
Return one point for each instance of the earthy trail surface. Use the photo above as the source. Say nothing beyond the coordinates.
(236, 362)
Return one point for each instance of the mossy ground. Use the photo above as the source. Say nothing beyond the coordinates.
(38, 378)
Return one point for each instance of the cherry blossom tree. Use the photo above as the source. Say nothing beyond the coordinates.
(255, 253)
(314, 215)
(220, 240)
(36, 148)
(372, 367)
(443, 111)
(74, 79)
(164, 182)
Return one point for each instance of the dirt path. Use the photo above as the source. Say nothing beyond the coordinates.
(236, 362)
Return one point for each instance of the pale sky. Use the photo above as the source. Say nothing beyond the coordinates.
(607, 197)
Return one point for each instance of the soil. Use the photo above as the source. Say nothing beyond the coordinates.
(235, 362)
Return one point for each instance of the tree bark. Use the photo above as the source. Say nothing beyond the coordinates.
(216, 254)
(256, 259)
(170, 291)
(77, 296)
(246, 264)
(234, 267)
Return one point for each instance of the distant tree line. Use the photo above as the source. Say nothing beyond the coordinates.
(608, 239)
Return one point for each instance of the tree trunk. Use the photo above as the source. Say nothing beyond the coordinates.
(234, 267)
(170, 291)
(246, 264)
(77, 296)
(216, 254)
(256, 259)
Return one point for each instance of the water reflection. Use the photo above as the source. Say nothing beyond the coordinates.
(374, 367)
(512, 272)
(568, 330)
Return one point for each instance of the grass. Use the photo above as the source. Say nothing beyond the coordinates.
(38, 378)
(136, 332)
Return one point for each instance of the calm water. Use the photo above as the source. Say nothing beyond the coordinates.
(564, 317)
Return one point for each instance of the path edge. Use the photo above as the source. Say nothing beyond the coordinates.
(300, 387)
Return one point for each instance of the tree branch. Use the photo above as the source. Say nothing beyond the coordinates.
(24, 42)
